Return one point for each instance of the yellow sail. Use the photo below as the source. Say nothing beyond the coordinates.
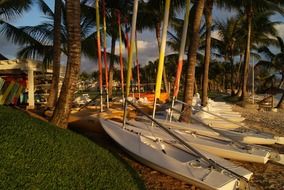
(162, 51)
(132, 45)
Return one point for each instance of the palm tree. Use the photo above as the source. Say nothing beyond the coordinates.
(148, 72)
(37, 41)
(53, 94)
(112, 8)
(114, 37)
(208, 20)
(276, 63)
(233, 36)
(64, 104)
(192, 53)
(227, 45)
(251, 7)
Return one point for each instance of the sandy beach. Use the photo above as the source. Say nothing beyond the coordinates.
(270, 175)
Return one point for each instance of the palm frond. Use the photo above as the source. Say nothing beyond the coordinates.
(42, 33)
(36, 52)
(15, 34)
(45, 8)
(10, 9)
(266, 51)
(89, 48)
(265, 64)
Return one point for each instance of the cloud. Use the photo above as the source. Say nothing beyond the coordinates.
(147, 48)
(147, 51)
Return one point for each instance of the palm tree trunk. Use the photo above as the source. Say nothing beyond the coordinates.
(158, 37)
(195, 87)
(244, 96)
(192, 52)
(64, 104)
(52, 98)
(208, 19)
(111, 67)
(232, 76)
(282, 81)
(239, 76)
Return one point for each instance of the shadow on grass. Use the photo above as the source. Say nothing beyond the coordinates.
(104, 141)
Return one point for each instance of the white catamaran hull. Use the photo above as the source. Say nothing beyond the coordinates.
(174, 161)
(217, 147)
(249, 137)
(218, 123)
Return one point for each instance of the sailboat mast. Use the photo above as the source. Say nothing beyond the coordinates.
(162, 55)
(130, 57)
(132, 43)
(105, 53)
(181, 50)
(99, 53)
(181, 55)
(120, 53)
(137, 65)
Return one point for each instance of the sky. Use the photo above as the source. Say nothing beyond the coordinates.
(147, 43)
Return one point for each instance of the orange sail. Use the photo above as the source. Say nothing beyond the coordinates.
(99, 53)
(181, 50)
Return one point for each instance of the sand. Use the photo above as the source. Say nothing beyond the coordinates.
(270, 175)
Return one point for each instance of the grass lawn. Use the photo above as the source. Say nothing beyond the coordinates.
(37, 155)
